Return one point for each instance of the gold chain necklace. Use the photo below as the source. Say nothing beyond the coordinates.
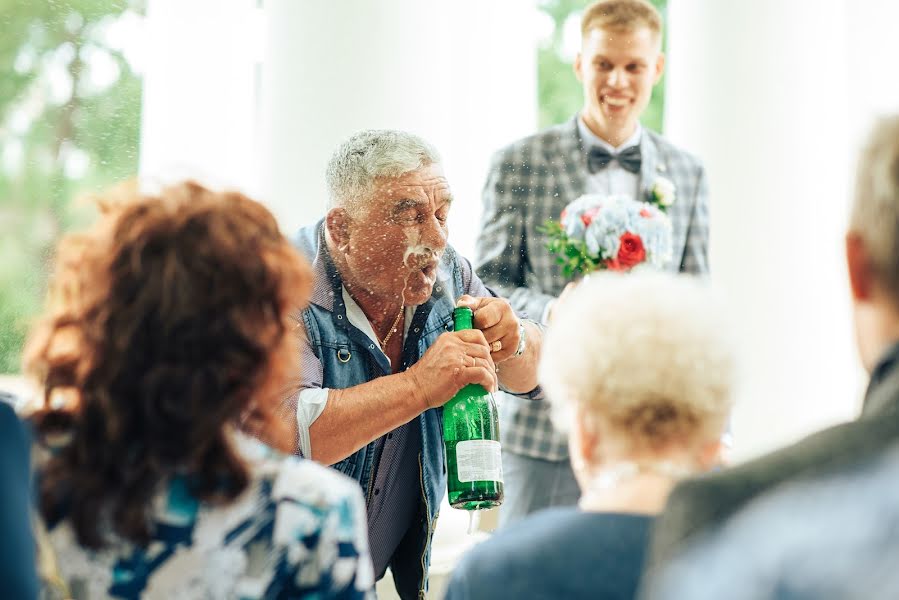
(383, 343)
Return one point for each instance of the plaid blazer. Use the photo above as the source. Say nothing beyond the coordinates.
(530, 182)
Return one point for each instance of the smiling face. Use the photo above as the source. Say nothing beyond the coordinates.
(391, 248)
(618, 69)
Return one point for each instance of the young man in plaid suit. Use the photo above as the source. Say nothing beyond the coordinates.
(602, 150)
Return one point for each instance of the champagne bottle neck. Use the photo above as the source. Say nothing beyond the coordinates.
(462, 318)
(472, 389)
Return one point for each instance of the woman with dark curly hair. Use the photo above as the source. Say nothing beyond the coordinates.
(168, 331)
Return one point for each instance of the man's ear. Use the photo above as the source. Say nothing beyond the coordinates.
(588, 433)
(858, 263)
(660, 67)
(337, 223)
(577, 68)
(712, 454)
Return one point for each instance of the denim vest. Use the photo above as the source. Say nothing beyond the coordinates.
(350, 358)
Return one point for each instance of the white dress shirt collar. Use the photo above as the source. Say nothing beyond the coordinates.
(590, 139)
(356, 316)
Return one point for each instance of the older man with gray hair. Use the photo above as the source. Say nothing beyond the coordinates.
(380, 358)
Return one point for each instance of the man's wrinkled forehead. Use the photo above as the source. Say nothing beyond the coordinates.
(423, 185)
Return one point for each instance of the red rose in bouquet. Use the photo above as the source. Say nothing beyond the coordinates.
(598, 232)
(630, 253)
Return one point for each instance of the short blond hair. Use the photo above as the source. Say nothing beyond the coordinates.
(646, 352)
(875, 209)
(621, 15)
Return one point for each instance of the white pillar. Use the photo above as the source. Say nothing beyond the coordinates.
(873, 48)
(199, 92)
(461, 74)
(759, 91)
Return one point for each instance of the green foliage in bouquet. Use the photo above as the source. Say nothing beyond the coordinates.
(570, 253)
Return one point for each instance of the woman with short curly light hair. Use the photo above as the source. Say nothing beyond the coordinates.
(639, 370)
(168, 330)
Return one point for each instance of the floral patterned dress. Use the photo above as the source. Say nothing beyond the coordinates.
(298, 531)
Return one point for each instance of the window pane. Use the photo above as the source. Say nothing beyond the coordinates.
(70, 95)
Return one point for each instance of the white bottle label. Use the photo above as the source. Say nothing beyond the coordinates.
(479, 460)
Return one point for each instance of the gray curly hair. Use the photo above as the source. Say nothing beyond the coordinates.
(650, 353)
(371, 154)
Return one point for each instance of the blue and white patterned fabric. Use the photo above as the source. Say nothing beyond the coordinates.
(298, 530)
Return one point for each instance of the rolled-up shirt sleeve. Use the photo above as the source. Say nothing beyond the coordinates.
(311, 399)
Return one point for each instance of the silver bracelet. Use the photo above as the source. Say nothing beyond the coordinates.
(522, 340)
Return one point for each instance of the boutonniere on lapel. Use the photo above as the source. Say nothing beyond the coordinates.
(662, 192)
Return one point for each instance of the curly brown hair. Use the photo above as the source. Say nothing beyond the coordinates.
(166, 323)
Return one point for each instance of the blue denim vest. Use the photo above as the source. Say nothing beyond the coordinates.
(350, 358)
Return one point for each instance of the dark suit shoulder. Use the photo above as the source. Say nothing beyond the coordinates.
(698, 504)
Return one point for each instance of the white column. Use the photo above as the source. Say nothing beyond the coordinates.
(199, 92)
(873, 48)
(759, 91)
(461, 74)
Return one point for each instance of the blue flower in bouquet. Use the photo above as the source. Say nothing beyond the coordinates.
(576, 217)
(610, 232)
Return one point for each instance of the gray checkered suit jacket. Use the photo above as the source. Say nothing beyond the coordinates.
(531, 181)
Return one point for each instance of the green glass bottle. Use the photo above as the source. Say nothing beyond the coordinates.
(474, 469)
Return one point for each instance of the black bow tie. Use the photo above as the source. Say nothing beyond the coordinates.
(599, 158)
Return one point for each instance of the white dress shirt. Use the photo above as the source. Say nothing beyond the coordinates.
(613, 180)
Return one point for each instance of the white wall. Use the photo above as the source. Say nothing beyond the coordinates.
(258, 98)
(199, 92)
(461, 74)
(872, 84)
(774, 96)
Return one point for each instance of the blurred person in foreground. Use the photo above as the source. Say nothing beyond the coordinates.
(806, 539)
(168, 329)
(602, 150)
(379, 358)
(639, 370)
(823, 538)
(17, 574)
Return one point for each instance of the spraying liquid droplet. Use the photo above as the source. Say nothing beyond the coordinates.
(444, 270)
(474, 520)
(429, 262)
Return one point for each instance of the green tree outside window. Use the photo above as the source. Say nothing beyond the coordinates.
(69, 123)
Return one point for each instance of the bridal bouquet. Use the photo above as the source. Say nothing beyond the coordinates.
(609, 232)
